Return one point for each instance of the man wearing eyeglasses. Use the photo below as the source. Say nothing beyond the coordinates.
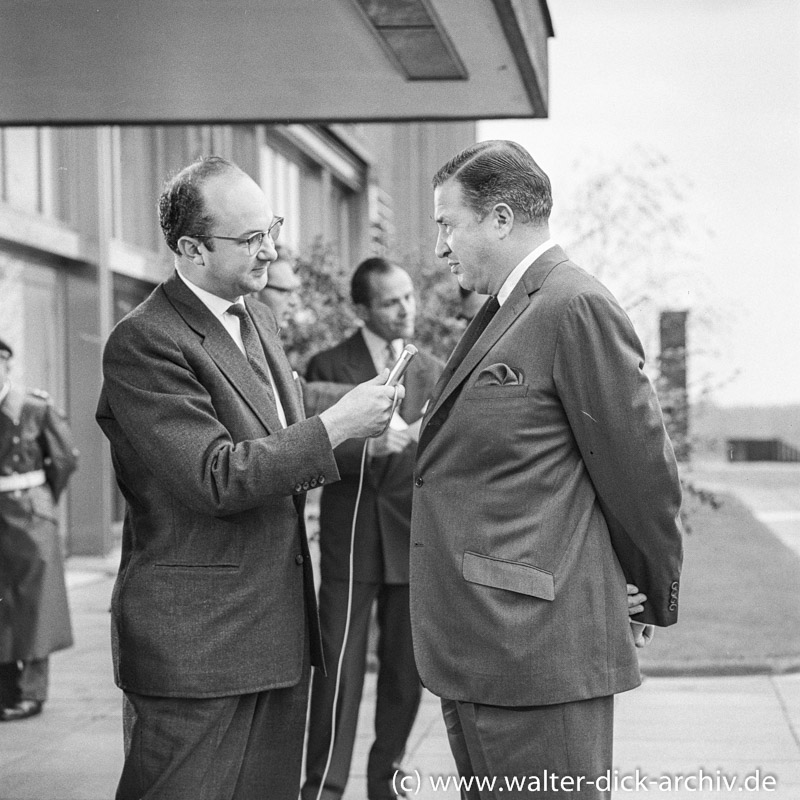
(215, 624)
(283, 285)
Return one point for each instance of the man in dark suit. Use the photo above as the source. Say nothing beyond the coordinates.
(383, 296)
(214, 617)
(544, 477)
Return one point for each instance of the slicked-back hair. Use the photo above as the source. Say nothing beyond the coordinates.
(500, 171)
(360, 289)
(181, 208)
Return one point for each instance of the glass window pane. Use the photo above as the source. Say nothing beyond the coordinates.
(22, 168)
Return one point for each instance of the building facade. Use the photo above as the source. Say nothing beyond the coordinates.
(80, 244)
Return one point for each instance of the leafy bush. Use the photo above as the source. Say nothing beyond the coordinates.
(324, 312)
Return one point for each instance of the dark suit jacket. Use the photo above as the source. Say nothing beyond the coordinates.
(215, 587)
(550, 481)
(384, 515)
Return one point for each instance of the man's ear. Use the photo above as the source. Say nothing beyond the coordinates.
(190, 248)
(502, 219)
(362, 311)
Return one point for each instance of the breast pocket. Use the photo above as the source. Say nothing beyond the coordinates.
(496, 392)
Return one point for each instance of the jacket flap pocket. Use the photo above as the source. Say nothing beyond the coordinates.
(514, 576)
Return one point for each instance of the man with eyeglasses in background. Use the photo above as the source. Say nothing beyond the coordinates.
(282, 288)
(215, 623)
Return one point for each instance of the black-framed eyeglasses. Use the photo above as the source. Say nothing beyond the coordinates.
(255, 240)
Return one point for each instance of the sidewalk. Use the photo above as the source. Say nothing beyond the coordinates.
(709, 731)
(727, 727)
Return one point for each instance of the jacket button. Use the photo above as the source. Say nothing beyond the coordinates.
(306, 486)
(418, 482)
(321, 480)
(673, 606)
(313, 483)
(674, 586)
(298, 559)
(298, 488)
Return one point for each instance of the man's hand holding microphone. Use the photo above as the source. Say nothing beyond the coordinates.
(367, 409)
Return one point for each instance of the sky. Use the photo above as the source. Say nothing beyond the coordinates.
(713, 86)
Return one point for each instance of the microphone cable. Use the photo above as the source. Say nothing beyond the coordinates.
(350, 583)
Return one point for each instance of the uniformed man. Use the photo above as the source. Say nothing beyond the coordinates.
(36, 459)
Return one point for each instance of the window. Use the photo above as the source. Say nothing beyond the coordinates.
(280, 179)
(26, 169)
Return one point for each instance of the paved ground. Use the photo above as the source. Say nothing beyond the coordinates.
(723, 735)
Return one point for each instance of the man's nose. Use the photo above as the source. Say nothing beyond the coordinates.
(441, 250)
(267, 250)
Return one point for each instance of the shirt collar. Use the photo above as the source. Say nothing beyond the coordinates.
(216, 305)
(516, 274)
(377, 346)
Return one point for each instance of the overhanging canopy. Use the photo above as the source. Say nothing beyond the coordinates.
(185, 61)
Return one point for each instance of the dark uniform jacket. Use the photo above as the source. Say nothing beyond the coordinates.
(35, 443)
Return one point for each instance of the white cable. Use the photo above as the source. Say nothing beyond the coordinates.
(350, 581)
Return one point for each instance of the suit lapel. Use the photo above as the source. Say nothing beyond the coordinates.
(359, 362)
(223, 351)
(461, 364)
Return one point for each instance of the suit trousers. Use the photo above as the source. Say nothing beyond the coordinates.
(243, 747)
(542, 752)
(398, 691)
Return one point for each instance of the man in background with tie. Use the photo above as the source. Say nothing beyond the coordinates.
(383, 296)
(214, 619)
(282, 288)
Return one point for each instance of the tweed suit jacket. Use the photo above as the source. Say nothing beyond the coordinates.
(384, 514)
(215, 587)
(544, 479)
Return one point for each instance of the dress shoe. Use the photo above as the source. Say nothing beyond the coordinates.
(22, 710)
(399, 785)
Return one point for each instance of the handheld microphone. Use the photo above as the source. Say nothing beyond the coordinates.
(401, 365)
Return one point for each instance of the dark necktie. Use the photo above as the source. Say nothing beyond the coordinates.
(252, 345)
(471, 335)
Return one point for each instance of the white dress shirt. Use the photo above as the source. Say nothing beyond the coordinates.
(219, 306)
(377, 348)
(516, 274)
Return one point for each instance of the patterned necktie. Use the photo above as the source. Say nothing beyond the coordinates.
(388, 356)
(252, 344)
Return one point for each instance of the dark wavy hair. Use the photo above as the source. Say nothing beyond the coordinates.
(181, 208)
(500, 171)
(360, 289)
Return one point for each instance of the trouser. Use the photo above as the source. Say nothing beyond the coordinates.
(542, 752)
(398, 690)
(24, 680)
(243, 747)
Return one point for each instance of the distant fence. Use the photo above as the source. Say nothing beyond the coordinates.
(761, 450)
